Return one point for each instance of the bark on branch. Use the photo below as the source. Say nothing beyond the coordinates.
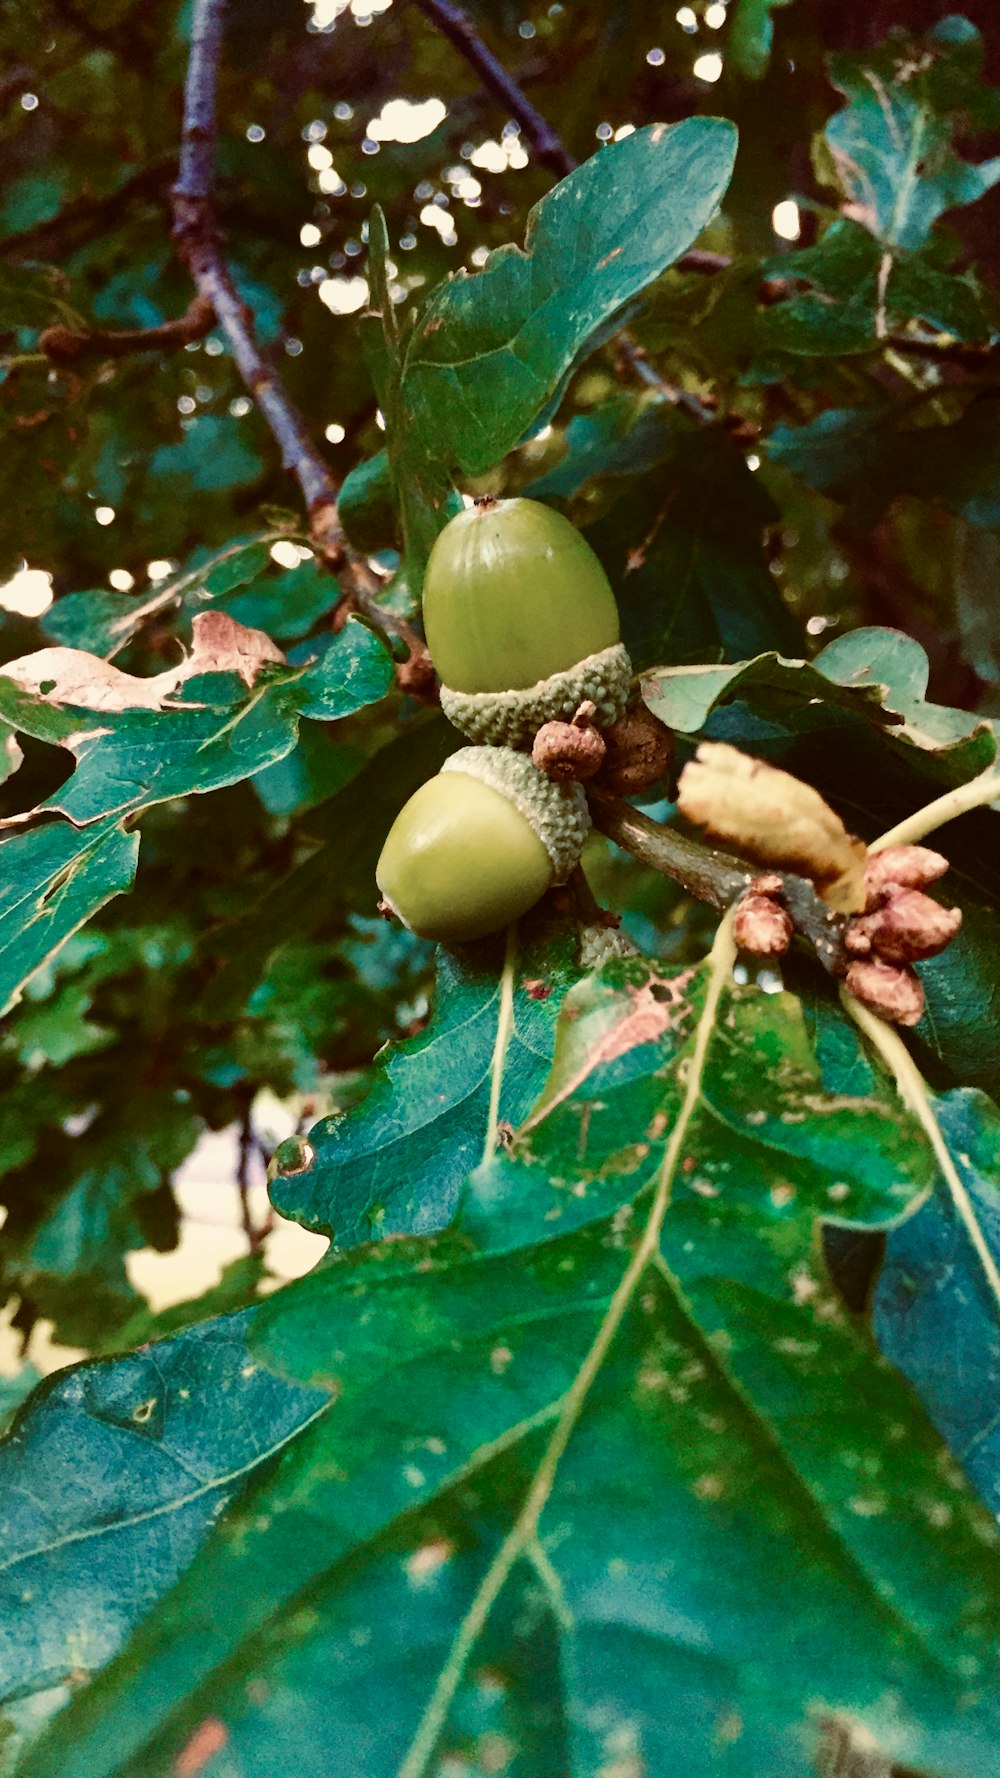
(197, 240)
(196, 237)
(717, 877)
(546, 143)
(66, 345)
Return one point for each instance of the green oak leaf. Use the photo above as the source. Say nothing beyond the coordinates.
(751, 36)
(52, 880)
(893, 142)
(397, 1162)
(878, 674)
(56, 876)
(614, 1426)
(935, 1305)
(843, 301)
(490, 349)
(180, 1426)
(128, 760)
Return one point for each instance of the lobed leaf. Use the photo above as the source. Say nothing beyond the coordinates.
(612, 1427)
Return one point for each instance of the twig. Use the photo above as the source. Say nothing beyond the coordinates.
(64, 345)
(547, 144)
(454, 24)
(197, 241)
(977, 794)
(86, 215)
(717, 877)
(249, 1145)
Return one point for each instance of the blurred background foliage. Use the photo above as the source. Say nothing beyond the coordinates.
(815, 450)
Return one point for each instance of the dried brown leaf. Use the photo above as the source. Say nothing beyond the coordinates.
(775, 819)
(72, 676)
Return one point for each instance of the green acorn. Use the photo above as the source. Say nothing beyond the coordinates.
(477, 846)
(521, 623)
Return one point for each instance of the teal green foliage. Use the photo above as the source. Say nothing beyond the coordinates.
(639, 1416)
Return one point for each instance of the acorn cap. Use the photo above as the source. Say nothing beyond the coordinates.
(557, 813)
(513, 718)
(512, 596)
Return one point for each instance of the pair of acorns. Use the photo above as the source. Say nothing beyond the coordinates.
(522, 625)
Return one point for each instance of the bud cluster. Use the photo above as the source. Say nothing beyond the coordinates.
(900, 926)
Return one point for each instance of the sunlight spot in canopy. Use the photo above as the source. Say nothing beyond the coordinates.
(325, 13)
(310, 235)
(28, 592)
(319, 158)
(490, 156)
(715, 15)
(105, 515)
(404, 120)
(121, 580)
(434, 216)
(335, 433)
(284, 553)
(499, 157)
(786, 221)
(687, 18)
(160, 569)
(343, 296)
(708, 67)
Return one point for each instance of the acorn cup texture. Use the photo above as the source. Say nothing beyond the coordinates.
(477, 846)
(521, 623)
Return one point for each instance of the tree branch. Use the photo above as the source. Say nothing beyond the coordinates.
(717, 877)
(196, 237)
(64, 345)
(547, 144)
(197, 240)
(458, 28)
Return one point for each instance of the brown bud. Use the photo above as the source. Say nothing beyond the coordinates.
(893, 991)
(911, 867)
(769, 883)
(416, 676)
(564, 750)
(639, 750)
(761, 926)
(907, 927)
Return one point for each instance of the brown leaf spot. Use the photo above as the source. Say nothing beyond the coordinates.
(209, 1738)
(72, 676)
(221, 645)
(537, 990)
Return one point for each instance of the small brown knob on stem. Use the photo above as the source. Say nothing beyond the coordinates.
(565, 750)
(761, 926)
(639, 750)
